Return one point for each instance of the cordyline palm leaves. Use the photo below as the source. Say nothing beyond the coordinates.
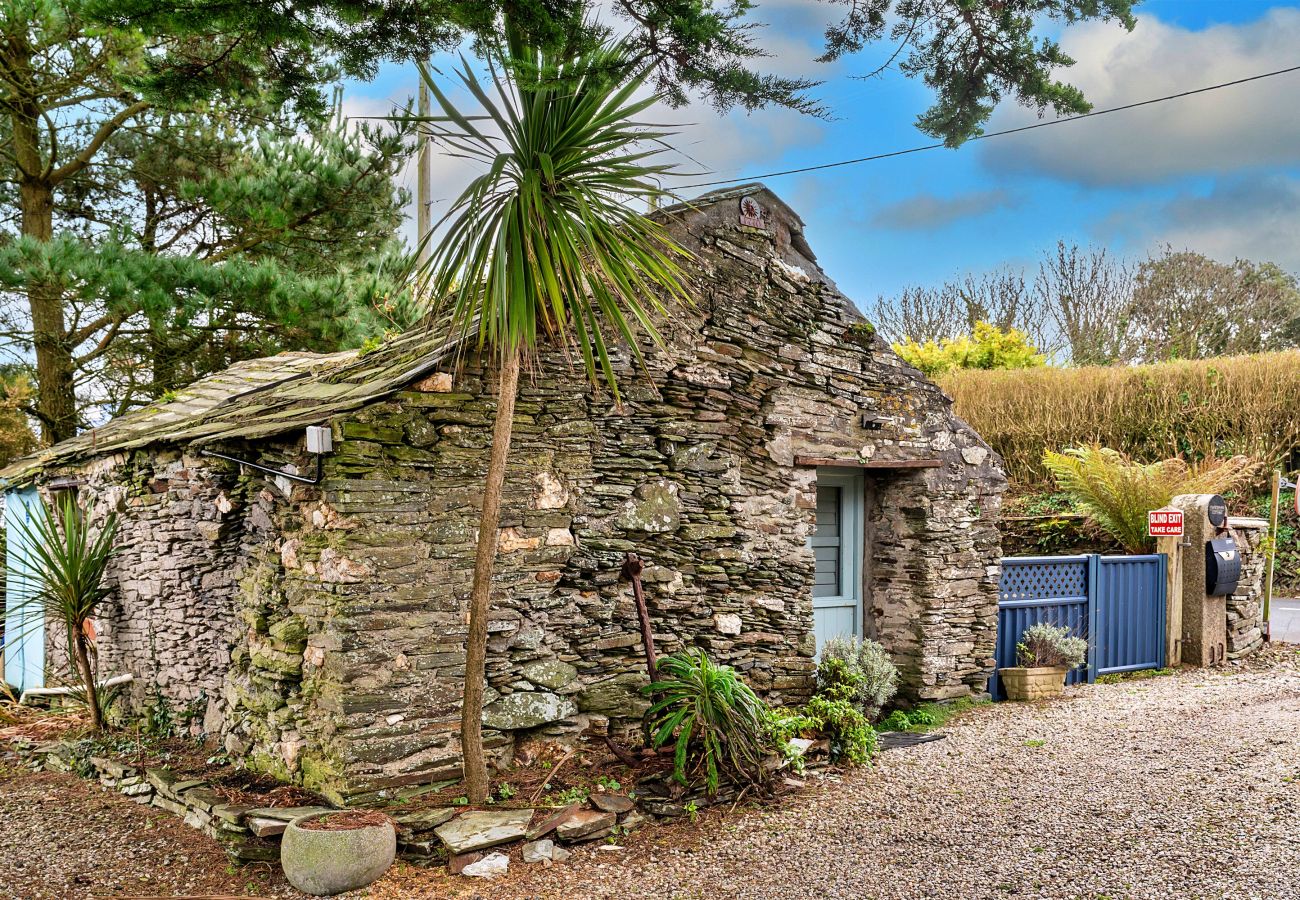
(69, 559)
(543, 247)
(1117, 493)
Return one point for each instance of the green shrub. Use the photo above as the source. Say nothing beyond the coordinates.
(859, 671)
(895, 721)
(717, 722)
(1050, 645)
(851, 735)
(988, 347)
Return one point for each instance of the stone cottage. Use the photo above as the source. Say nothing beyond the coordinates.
(784, 476)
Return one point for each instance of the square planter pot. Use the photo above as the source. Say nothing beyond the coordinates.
(1033, 684)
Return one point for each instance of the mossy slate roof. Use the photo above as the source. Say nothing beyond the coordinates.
(253, 399)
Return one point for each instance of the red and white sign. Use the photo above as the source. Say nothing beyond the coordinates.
(751, 214)
(1165, 523)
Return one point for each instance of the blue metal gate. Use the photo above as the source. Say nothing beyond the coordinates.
(1117, 603)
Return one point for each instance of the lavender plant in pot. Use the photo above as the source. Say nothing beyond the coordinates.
(1046, 654)
(329, 853)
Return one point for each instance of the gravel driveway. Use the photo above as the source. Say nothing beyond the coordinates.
(1173, 788)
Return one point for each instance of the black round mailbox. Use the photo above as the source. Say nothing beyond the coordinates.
(1217, 511)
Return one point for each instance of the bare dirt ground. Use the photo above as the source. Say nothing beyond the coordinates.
(64, 837)
(1178, 787)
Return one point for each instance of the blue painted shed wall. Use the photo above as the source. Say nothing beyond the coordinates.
(24, 641)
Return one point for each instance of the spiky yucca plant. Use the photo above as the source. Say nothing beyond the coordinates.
(1117, 493)
(70, 559)
(545, 246)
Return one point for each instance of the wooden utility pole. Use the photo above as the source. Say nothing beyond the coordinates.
(1272, 547)
(424, 179)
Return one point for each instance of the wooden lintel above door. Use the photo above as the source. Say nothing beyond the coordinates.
(868, 464)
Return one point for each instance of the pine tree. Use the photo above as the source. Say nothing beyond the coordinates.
(972, 53)
(157, 238)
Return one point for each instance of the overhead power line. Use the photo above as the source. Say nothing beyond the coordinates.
(992, 134)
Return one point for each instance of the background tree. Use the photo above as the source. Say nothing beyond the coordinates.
(178, 227)
(1087, 298)
(972, 54)
(1188, 306)
(543, 247)
(1002, 299)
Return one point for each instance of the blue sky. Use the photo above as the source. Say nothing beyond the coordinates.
(1219, 173)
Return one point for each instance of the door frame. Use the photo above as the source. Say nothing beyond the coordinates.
(853, 509)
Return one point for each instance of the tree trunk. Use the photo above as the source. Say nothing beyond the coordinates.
(82, 657)
(56, 401)
(471, 721)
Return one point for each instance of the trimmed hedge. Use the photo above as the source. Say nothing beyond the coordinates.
(1196, 408)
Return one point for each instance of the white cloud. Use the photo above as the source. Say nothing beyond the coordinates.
(1256, 124)
(1252, 217)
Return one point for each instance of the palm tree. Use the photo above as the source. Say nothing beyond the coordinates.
(69, 560)
(543, 247)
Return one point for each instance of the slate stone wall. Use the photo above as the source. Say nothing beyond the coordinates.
(346, 632)
(183, 533)
(1246, 606)
(697, 472)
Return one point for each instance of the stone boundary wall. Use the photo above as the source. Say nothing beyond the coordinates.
(168, 620)
(1246, 606)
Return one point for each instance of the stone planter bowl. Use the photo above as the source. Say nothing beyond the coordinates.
(325, 862)
(1033, 684)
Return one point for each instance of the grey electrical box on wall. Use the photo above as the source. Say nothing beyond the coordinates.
(319, 439)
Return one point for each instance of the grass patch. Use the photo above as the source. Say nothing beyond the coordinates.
(1139, 675)
(927, 716)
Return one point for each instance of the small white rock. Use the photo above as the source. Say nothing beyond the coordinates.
(727, 623)
(490, 866)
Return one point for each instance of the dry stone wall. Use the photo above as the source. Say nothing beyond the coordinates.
(1246, 606)
(182, 535)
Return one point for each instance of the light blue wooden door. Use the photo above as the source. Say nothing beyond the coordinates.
(837, 546)
(24, 633)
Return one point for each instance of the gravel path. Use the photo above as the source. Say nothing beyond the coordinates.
(1173, 788)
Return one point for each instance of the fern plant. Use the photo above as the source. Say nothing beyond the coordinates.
(717, 722)
(1117, 493)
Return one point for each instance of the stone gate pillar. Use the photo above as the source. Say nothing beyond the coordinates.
(1205, 618)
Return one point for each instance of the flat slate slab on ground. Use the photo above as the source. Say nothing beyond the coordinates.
(480, 829)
